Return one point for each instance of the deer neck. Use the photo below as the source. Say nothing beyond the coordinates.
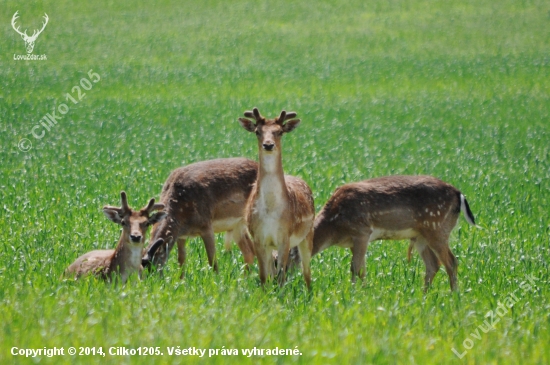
(127, 257)
(322, 234)
(168, 229)
(271, 180)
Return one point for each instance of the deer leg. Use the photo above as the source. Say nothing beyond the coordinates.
(451, 265)
(441, 249)
(271, 264)
(282, 260)
(264, 260)
(210, 245)
(409, 251)
(182, 255)
(430, 260)
(228, 238)
(294, 259)
(246, 246)
(359, 250)
(304, 248)
(432, 267)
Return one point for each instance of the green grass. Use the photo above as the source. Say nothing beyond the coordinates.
(458, 90)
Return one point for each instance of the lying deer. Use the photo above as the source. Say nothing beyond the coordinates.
(280, 210)
(202, 199)
(125, 259)
(420, 208)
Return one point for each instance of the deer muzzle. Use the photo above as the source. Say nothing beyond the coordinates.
(135, 238)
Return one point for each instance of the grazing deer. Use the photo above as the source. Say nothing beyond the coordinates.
(29, 41)
(420, 208)
(125, 259)
(280, 210)
(202, 199)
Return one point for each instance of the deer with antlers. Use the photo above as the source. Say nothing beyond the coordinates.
(202, 199)
(29, 41)
(423, 209)
(126, 258)
(280, 210)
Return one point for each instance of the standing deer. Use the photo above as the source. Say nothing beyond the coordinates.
(280, 210)
(125, 259)
(202, 199)
(29, 41)
(420, 208)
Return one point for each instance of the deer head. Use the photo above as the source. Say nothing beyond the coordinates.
(134, 223)
(29, 41)
(269, 131)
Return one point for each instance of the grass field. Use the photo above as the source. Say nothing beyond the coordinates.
(458, 90)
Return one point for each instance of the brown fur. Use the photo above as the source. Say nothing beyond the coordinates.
(280, 207)
(423, 207)
(199, 195)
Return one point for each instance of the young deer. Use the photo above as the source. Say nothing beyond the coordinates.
(280, 210)
(126, 257)
(420, 208)
(202, 199)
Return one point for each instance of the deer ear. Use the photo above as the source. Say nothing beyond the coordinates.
(112, 215)
(248, 125)
(157, 217)
(290, 125)
(158, 206)
(153, 250)
(148, 257)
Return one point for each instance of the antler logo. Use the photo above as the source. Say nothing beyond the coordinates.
(29, 41)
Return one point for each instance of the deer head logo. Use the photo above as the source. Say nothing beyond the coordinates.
(29, 41)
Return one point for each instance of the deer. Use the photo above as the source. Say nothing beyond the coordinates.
(29, 41)
(202, 199)
(126, 258)
(423, 209)
(280, 210)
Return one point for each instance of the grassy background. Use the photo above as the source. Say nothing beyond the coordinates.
(456, 90)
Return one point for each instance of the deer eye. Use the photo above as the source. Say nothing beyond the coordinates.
(123, 222)
(257, 132)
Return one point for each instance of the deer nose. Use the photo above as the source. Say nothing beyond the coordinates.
(268, 146)
(135, 238)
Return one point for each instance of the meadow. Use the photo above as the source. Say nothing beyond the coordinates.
(457, 90)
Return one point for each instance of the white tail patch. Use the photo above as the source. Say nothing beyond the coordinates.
(465, 211)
